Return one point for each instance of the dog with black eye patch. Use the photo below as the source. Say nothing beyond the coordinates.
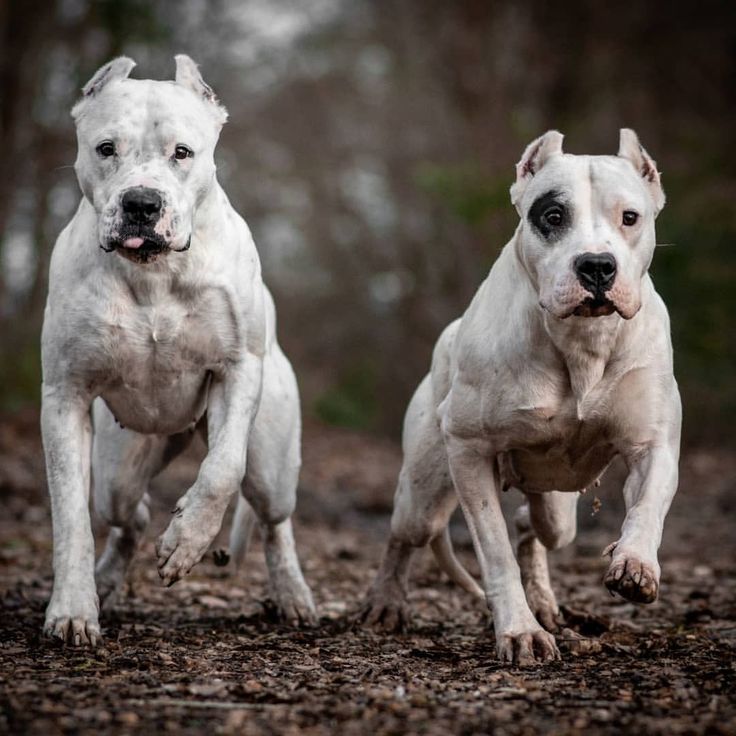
(562, 362)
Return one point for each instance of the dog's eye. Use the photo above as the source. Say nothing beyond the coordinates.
(630, 217)
(181, 152)
(553, 216)
(106, 149)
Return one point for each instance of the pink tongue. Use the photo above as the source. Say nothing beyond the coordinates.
(133, 243)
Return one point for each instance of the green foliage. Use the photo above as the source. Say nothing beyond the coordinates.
(130, 21)
(20, 376)
(353, 400)
(696, 277)
(469, 194)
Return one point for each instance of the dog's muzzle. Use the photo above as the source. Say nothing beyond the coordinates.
(596, 273)
(137, 239)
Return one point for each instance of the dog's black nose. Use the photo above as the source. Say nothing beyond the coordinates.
(595, 271)
(142, 205)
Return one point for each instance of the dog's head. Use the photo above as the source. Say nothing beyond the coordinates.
(587, 232)
(145, 156)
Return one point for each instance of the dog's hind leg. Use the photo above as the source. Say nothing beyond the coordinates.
(545, 521)
(269, 488)
(424, 501)
(123, 463)
(385, 605)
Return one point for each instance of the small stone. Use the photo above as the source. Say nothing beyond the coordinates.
(128, 718)
(211, 601)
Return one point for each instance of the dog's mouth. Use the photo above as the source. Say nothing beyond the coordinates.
(595, 306)
(141, 245)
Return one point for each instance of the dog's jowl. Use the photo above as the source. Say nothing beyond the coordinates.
(562, 362)
(158, 324)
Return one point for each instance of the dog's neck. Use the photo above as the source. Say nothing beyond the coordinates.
(587, 345)
(209, 211)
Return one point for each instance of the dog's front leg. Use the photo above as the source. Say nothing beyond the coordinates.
(648, 492)
(72, 613)
(519, 637)
(231, 408)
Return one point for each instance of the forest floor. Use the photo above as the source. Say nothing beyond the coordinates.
(205, 656)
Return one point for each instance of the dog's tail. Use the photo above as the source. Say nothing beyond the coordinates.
(445, 555)
(241, 531)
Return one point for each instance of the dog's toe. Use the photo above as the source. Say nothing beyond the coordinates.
(296, 607)
(183, 545)
(633, 579)
(383, 613)
(72, 618)
(76, 631)
(527, 648)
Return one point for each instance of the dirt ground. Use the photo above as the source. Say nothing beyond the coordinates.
(205, 655)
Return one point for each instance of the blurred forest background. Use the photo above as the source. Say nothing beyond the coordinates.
(371, 146)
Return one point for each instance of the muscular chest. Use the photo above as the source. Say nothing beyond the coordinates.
(160, 343)
(559, 421)
(153, 362)
(552, 448)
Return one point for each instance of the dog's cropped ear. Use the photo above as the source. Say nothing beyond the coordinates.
(535, 156)
(119, 68)
(187, 74)
(630, 148)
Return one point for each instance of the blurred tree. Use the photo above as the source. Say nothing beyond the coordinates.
(371, 146)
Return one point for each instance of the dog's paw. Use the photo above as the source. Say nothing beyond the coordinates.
(527, 648)
(109, 579)
(543, 605)
(184, 542)
(632, 578)
(385, 609)
(74, 621)
(294, 603)
(574, 643)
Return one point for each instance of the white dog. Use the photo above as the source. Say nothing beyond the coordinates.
(562, 362)
(158, 322)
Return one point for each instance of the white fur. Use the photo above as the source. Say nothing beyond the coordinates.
(184, 340)
(523, 394)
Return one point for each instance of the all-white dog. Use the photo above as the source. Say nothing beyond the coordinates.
(158, 322)
(562, 362)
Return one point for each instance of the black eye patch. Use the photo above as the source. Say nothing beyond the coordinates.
(550, 215)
